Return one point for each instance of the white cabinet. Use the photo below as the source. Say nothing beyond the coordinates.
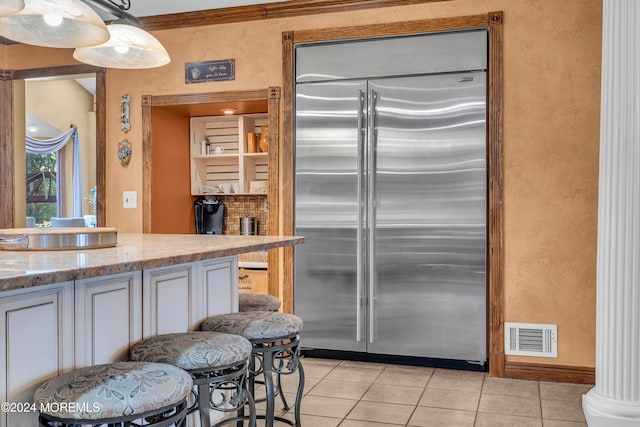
(177, 298)
(47, 330)
(234, 164)
(169, 300)
(108, 318)
(37, 327)
(220, 290)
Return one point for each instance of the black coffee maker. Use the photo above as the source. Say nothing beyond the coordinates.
(209, 213)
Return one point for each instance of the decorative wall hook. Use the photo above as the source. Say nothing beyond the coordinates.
(124, 152)
(125, 104)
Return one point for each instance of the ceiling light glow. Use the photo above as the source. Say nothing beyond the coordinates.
(121, 49)
(53, 19)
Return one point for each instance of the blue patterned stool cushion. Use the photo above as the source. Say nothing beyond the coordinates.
(254, 325)
(195, 350)
(258, 302)
(114, 390)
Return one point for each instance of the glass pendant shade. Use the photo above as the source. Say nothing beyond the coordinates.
(129, 47)
(9, 7)
(55, 23)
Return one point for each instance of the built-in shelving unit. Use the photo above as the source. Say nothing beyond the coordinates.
(234, 166)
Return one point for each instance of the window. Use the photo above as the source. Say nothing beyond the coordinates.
(41, 188)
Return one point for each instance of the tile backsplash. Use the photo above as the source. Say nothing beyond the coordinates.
(243, 205)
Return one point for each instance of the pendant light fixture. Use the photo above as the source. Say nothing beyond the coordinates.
(129, 47)
(55, 23)
(75, 24)
(8, 7)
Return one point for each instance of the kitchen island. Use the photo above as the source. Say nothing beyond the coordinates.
(61, 310)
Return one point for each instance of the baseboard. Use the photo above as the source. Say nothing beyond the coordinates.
(554, 373)
(394, 359)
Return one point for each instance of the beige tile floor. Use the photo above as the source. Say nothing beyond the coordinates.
(358, 394)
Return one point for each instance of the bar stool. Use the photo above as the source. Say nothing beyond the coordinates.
(258, 302)
(275, 339)
(153, 394)
(218, 366)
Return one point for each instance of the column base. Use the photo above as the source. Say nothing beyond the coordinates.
(601, 411)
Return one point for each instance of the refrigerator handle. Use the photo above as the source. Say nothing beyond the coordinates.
(359, 232)
(371, 217)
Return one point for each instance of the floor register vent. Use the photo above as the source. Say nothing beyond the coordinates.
(528, 339)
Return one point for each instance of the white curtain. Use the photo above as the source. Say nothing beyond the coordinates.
(45, 146)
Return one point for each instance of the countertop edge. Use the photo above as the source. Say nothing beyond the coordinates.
(30, 280)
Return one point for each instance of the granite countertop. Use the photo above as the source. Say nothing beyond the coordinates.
(23, 269)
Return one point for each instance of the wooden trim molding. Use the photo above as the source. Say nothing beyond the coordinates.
(273, 196)
(56, 71)
(495, 222)
(7, 176)
(101, 147)
(256, 12)
(287, 169)
(209, 97)
(495, 217)
(556, 373)
(147, 156)
(392, 29)
(7, 179)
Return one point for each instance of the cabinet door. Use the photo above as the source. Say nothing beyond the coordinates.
(220, 278)
(37, 344)
(170, 300)
(108, 318)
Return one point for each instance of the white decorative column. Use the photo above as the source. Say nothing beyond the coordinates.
(615, 400)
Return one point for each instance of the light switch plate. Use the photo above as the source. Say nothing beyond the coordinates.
(129, 199)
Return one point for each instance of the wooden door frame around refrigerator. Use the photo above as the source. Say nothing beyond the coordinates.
(495, 222)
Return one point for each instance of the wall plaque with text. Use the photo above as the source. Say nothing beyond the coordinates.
(210, 71)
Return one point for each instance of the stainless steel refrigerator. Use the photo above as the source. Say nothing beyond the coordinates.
(390, 194)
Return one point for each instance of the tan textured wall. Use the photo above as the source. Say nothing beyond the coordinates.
(171, 205)
(552, 54)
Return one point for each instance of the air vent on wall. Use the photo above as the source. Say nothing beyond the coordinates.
(528, 339)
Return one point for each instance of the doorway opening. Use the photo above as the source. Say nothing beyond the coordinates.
(162, 150)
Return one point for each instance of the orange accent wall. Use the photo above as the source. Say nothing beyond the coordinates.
(171, 203)
(552, 62)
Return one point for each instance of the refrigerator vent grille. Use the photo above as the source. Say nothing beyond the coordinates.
(528, 339)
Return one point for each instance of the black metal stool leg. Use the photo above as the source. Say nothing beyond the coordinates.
(267, 364)
(299, 394)
(250, 390)
(203, 405)
(285, 405)
(252, 408)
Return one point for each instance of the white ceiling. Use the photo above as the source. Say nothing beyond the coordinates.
(41, 128)
(162, 7)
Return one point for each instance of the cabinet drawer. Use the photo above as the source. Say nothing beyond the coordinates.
(253, 281)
